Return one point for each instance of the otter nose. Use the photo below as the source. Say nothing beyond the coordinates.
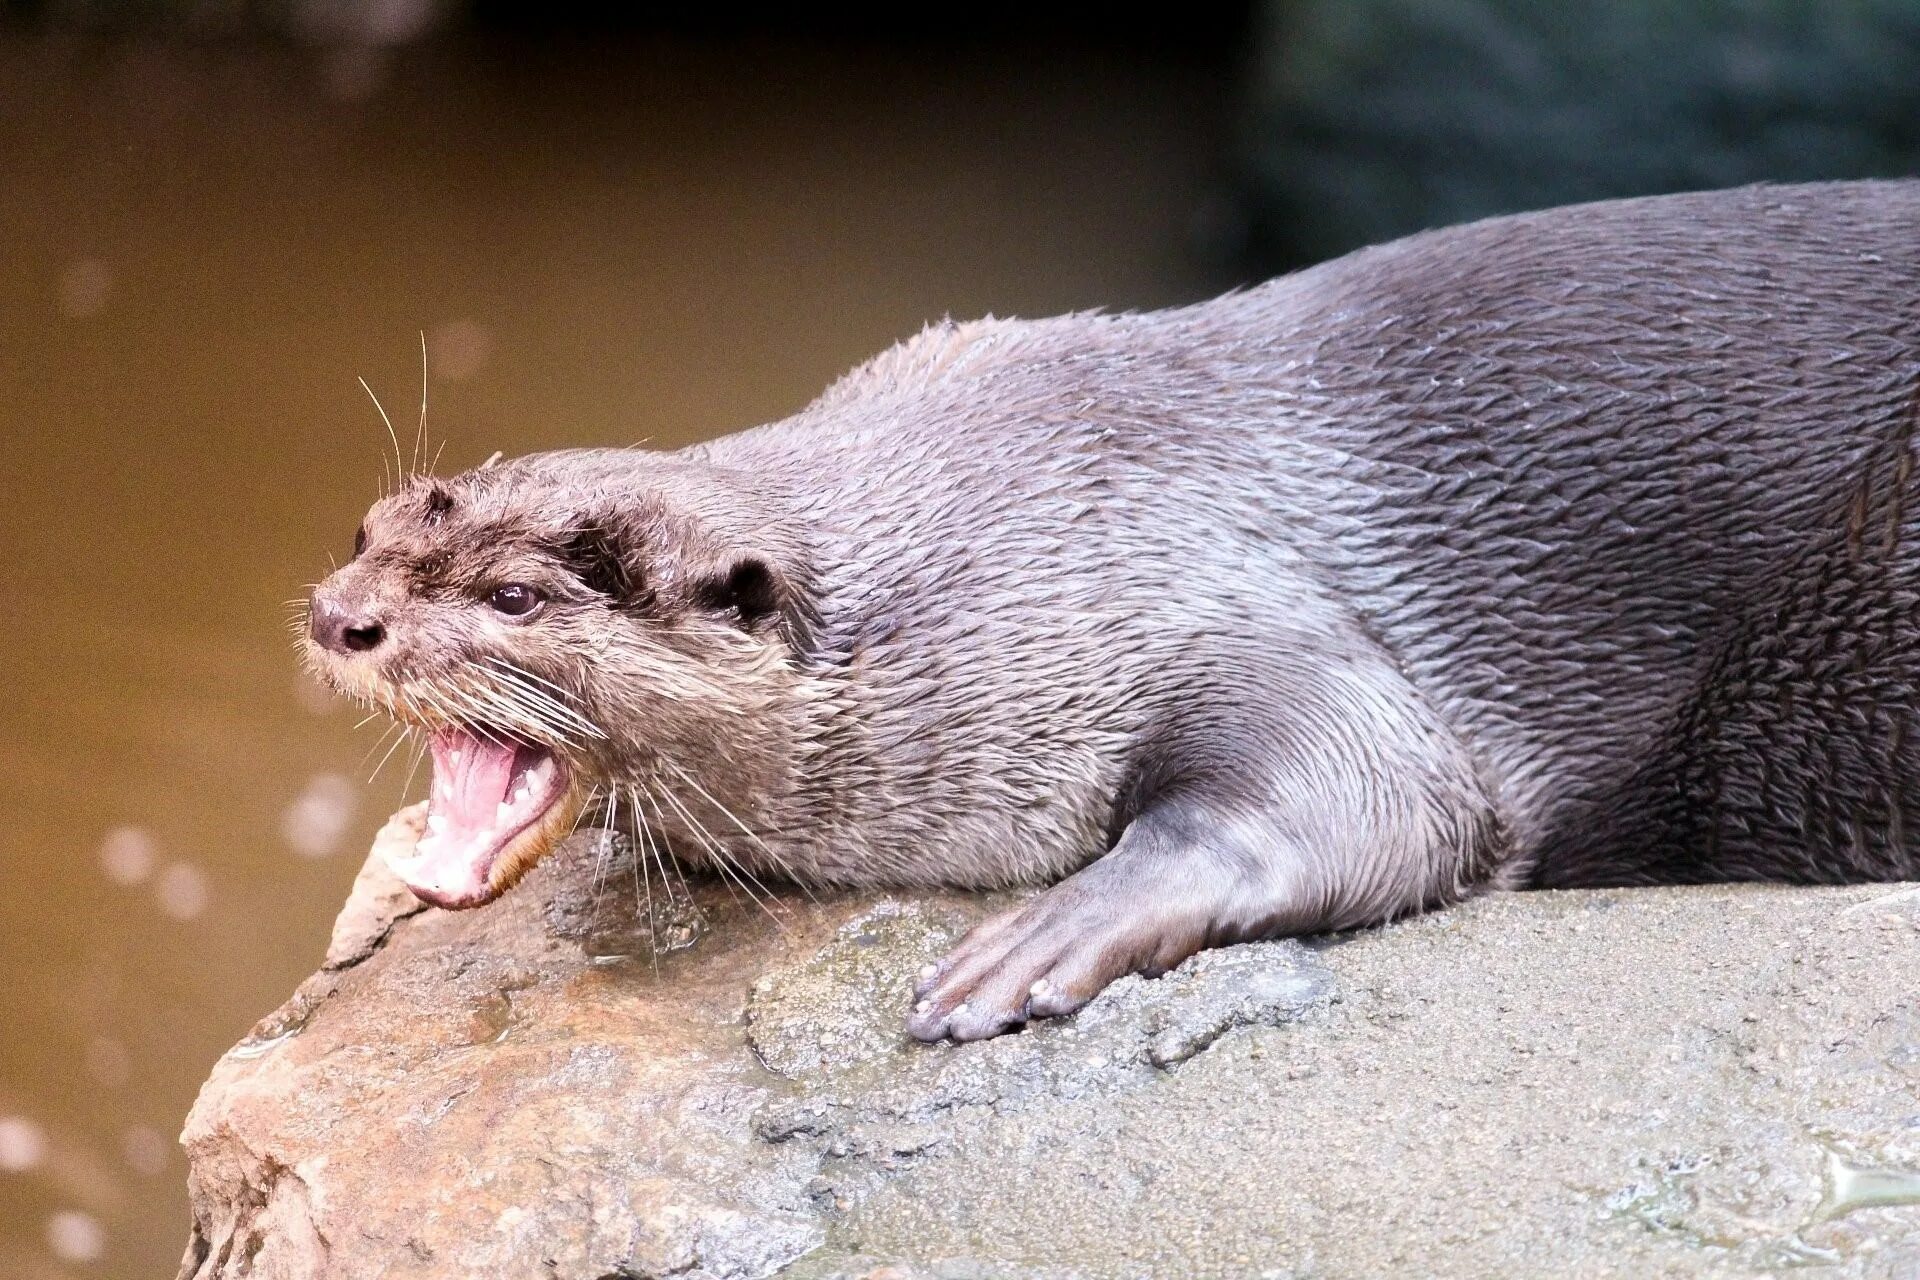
(343, 629)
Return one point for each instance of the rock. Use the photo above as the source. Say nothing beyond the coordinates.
(1715, 1082)
(379, 900)
(658, 918)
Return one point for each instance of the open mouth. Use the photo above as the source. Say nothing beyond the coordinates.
(498, 805)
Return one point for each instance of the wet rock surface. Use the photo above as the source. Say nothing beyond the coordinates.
(1714, 1081)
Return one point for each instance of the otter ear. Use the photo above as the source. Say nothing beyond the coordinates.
(749, 589)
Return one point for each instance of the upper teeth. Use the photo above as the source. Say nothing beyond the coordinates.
(513, 808)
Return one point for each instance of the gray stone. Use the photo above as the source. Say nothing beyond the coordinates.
(1718, 1081)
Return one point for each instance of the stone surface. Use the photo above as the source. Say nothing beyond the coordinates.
(1715, 1082)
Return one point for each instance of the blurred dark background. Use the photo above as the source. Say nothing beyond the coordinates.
(614, 222)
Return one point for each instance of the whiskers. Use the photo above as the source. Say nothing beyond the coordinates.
(401, 734)
(298, 610)
(399, 473)
(646, 814)
(647, 855)
(490, 697)
(732, 870)
(401, 468)
(420, 432)
(542, 706)
(778, 860)
(672, 817)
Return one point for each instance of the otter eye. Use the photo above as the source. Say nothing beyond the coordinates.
(515, 600)
(359, 540)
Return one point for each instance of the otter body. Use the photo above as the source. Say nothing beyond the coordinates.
(1564, 549)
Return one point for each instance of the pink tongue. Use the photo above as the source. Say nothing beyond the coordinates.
(470, 779)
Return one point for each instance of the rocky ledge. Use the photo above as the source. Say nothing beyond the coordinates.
(568, 1086)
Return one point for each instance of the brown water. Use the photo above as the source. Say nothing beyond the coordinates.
(204, 247)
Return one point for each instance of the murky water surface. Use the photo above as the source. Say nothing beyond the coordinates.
(203, 248)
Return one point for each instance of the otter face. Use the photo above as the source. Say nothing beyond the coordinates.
(551, 644)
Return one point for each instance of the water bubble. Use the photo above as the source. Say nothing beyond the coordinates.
(458, 350)
(127, 855)
(23, 1144)
(108, 1062)
(76, 1237)
(317, 820)
(146, 1150)
(84, 286)
(182, 891)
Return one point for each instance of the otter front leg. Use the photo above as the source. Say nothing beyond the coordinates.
(1364, 808)
(1179, 879)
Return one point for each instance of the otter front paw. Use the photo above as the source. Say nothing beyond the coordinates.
(1043, 960)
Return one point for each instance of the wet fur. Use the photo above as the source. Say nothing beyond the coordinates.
(1563, 549)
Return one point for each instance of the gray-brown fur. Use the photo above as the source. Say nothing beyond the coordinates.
(1562, 549)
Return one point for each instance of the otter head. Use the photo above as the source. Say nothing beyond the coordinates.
(563, 627)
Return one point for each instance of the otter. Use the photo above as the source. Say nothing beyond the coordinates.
(1570, 548)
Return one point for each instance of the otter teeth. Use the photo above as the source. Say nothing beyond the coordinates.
(485, 815)
(505, 814)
